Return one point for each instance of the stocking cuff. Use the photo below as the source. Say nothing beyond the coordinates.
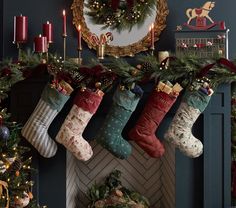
(88, 100)
(52, 97)
(197, 99)
(126, 99)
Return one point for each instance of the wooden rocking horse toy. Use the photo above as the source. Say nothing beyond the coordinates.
(201, 15)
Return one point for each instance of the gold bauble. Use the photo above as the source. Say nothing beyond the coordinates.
(135, 72)
(122, 87)
(17, 173)
(83, 89)
(98, 85)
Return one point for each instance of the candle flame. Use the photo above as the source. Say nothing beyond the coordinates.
(79, 28)
(48, 22)
(64, 12)
(40, 35)
(152, 26)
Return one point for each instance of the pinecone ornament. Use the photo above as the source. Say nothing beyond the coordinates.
(146, 66)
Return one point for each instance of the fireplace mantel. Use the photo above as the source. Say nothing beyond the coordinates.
(202, 182)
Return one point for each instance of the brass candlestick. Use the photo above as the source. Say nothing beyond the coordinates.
(64, 46)
(101, 51)
(19, 51)
(152, 49)
(18, 45)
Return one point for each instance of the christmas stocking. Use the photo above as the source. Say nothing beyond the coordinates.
(180, 131)
(35, 130)
(85, 105)
(109, 136)
(158, 104)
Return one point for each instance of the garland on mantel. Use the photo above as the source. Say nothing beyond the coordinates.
(97, 75)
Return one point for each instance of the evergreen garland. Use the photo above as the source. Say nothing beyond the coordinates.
(184, 71)
(101, 12)
(112, 194)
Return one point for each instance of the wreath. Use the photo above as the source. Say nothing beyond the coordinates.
(119, 15)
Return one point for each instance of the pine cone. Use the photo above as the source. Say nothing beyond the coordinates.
(146, 66)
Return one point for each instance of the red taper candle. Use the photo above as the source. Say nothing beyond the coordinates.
(64, 23)
(40, 44)
(79, 37)
(152, 35)
(48, 31)
(20, 29)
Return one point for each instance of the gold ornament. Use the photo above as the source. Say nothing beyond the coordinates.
(98, 85)
(24, 201)
(17, 173)
(30, 195)
(122, 87)
(83, 89)
(135, 72)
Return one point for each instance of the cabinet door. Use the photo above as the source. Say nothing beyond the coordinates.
(205, 181)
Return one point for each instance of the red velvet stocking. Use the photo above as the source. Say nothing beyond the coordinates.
(159, 103)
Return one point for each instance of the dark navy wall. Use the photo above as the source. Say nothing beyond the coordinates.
(1, 28)
(43, 10)
(195, 187)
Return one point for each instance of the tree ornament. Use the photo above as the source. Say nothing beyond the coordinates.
(17, 173)
(4, 133)
(135, 72)
(31, 196)
(16, 165)
(24, 201)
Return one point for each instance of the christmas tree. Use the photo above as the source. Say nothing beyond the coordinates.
(15, 160)
(15, 166)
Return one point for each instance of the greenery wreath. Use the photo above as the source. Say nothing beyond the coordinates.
(125, 16)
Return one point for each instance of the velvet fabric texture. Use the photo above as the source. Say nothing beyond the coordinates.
(109, 136)
(143, 133)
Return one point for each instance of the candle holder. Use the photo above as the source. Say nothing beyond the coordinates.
(152, 49)
(18, 46)
(101, 51)
(64, 46)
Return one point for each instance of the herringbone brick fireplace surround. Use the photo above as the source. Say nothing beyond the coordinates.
(153, 178)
